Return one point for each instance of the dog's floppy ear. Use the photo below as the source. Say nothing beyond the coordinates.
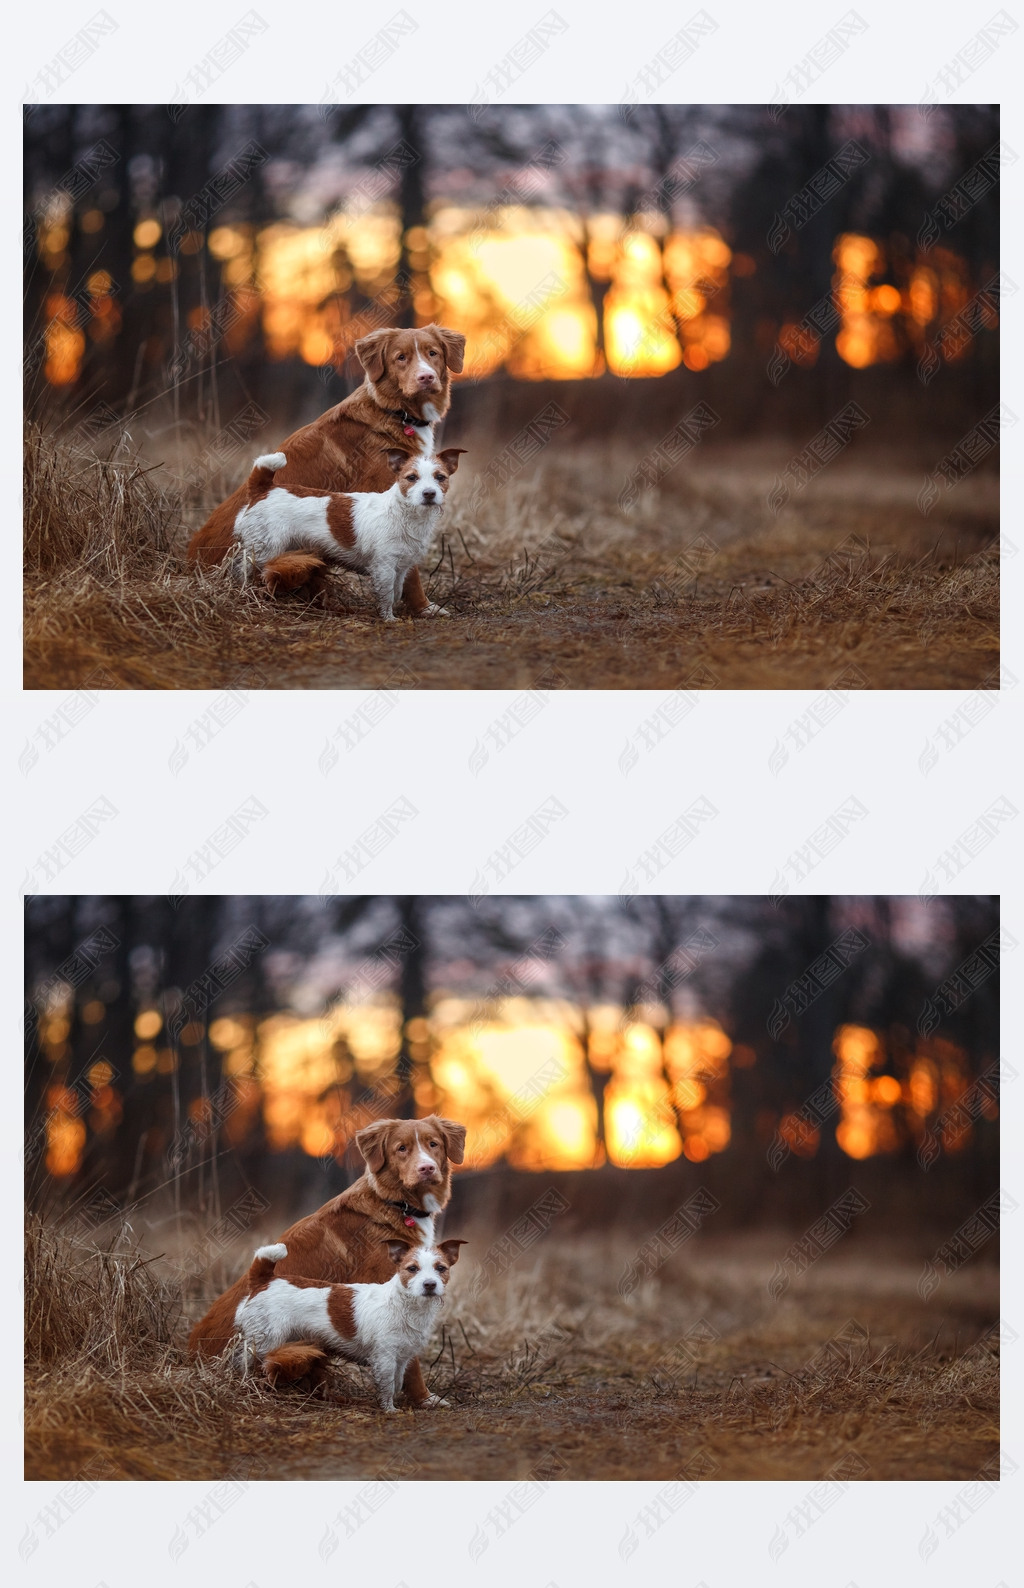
(451, 1250)
(398, 1250)
(372, 1143)
(397, 460)
(453, 344)
(370, 351)
(450, 458)
(454, 1138)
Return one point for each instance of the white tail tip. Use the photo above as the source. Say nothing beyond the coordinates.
(273, 1254)
(271, 460)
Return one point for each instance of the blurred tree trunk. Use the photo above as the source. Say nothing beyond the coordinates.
(192, 163)
(665, 152)
(47, 162)
(597, 291)
(412, 204)
(127, 1151)
(55, 945)
(189, 940)
(256, 999)
(814, 243)
(597, 1080)
(412, 992)
(119, 250)
(816, 1027)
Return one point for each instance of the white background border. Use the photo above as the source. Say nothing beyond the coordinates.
(421, 750)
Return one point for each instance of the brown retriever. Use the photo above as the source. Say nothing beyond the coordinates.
(406, 391)
(407, 1182)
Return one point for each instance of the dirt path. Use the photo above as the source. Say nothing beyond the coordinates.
(605, 640)
(853, 1376)
(611, 1430)
(757, 1422)
(551, 585)
(741, 639)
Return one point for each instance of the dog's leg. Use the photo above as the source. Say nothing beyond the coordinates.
(383, 1370)
(382, 578)
(400, 1368)
(416, 1389)
(416, 600)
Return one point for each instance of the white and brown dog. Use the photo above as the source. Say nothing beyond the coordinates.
(385, 1326)
(405, 1188)
(405, 394)
(293, 532)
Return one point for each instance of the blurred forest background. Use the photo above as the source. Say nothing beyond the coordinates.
(230, 255)
(730, 400)
(730, 1192)
(767, 1049)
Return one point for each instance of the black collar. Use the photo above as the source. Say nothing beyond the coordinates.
(417, 1213)
(407, 419)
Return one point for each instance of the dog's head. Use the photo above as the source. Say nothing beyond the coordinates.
(412, 1157)
(424, 1273)
(424, 481)
(409, 367)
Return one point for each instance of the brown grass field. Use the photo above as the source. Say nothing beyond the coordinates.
(549, 582)
(548, 1372)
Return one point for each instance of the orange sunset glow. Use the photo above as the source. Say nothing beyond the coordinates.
(517, 287)
(517, 1076)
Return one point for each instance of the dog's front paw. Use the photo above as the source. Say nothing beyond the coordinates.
(431, 1400)
(389, 1408)
(432, 610)
(388, 617)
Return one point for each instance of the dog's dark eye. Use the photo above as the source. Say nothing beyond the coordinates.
(403, 1149)
(433, 352)
(401, 358)
(440, 1268)
(440, 480)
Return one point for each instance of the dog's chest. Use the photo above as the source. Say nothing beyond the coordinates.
(424, 1229)
(385, 527)
(388, 1320)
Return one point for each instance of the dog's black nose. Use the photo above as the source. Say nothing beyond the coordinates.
(428, 496)
(429, 1286)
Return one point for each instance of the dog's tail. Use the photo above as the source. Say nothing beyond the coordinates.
(262, 1266)
(263, 471)
(290, 570)
(293, 1361)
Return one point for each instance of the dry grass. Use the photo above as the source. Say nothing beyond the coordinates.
(546, 1369)
(548, 581)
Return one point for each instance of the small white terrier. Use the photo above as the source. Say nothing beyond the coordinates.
(383, 1326)
(293, 531)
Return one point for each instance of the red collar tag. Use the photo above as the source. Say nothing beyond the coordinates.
(410, 1221)
(409, 430)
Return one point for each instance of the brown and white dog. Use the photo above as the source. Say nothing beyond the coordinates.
(293, 532)
(383, 1326)
(405, 393)
(406, 1184)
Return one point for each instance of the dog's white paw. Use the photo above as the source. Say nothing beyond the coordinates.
(434, 611)
(391, 1408)
(388, 617)
(432, 1400)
